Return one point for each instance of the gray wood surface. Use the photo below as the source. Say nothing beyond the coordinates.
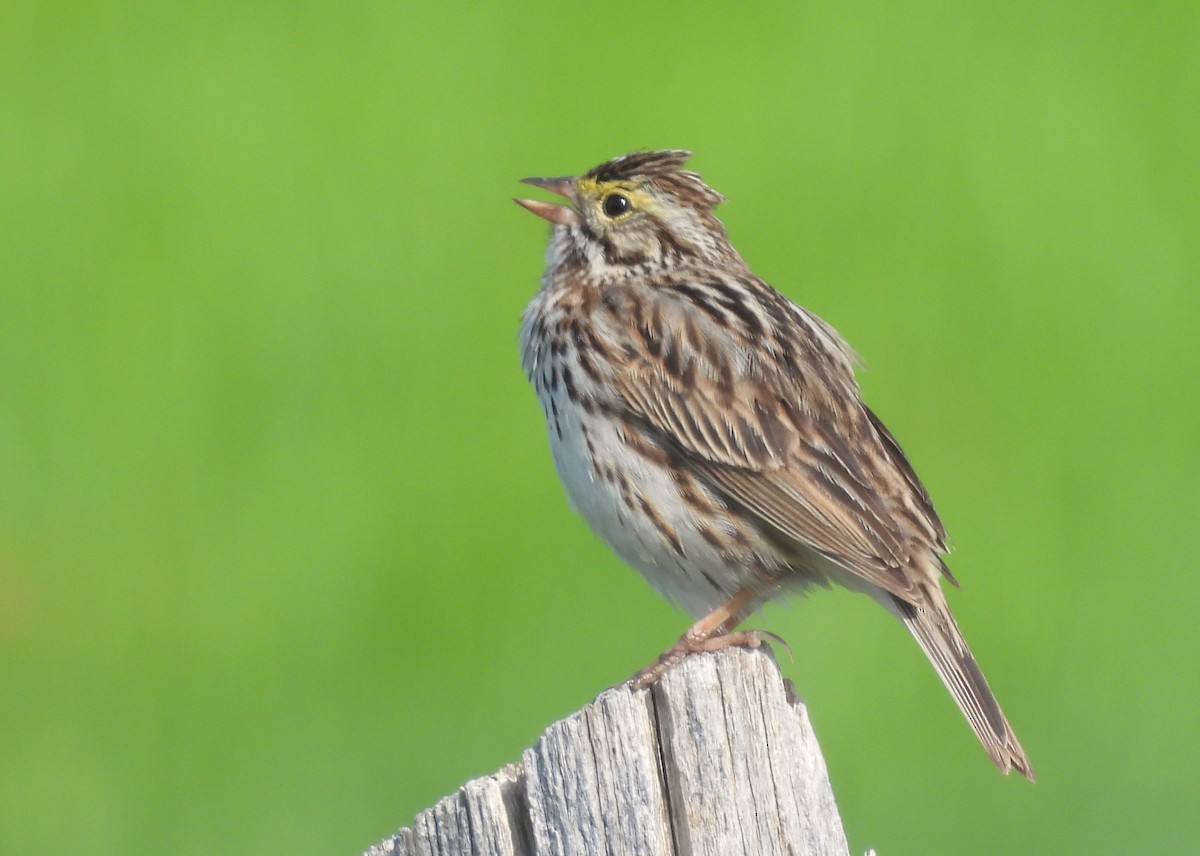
(717, 758)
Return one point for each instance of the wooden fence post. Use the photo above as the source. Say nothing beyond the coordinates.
(717, 758)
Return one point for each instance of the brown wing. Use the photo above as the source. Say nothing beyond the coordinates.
(786, 437)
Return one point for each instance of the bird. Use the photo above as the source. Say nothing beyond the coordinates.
(713, 434)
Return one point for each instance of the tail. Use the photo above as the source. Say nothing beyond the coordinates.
(936, 632)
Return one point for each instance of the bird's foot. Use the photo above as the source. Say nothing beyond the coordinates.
(694, 642)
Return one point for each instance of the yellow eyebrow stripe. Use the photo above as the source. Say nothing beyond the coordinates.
(595, 190)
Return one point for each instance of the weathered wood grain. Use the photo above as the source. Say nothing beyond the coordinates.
(717, 758)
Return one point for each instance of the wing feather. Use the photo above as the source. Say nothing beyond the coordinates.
(787, 439)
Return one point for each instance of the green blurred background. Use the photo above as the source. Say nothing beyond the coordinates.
(282, 554)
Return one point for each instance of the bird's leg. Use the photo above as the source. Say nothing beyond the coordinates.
(711, 633)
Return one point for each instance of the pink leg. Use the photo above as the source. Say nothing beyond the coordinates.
(711, 633)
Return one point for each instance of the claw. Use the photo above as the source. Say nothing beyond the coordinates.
(691, 643)
(776, 638)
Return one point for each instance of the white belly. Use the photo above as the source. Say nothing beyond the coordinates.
(606, 483)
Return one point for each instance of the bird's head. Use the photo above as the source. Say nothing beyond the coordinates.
(637, 212)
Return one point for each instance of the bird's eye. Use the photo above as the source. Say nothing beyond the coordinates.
(615, 205)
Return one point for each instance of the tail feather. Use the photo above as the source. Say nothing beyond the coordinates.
(936, 632)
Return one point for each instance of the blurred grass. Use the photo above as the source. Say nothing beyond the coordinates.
(281, 549)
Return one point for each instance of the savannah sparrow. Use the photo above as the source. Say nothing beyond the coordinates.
(712, 432)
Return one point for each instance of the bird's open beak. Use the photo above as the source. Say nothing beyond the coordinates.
(561, 215)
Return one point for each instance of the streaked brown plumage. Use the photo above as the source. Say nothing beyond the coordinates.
(712, 432)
